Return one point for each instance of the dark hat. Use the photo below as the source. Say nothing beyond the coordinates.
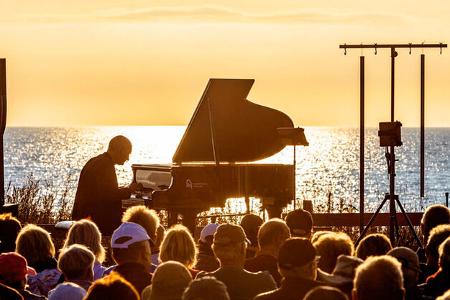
(296, 252)
(229, 234)
(13, 267)
(300, 222)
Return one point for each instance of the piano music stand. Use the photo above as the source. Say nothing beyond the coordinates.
(293, 136)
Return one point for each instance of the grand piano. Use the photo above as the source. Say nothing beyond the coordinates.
(213, 160)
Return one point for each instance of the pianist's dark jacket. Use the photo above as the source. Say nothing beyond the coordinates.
(98, 195)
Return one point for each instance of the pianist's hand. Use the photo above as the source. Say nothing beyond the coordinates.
(136, 187)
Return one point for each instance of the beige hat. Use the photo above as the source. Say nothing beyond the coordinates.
(343, 272)
(406, 257)
(169, 281)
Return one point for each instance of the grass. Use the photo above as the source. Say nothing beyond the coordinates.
(40, 202)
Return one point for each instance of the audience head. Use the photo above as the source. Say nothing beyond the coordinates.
(444, 255)
(300, 223)
(76, 262)
(143, 216)
(9, 229)
(207, 233)
(410, 265)
(272, 234)
(206, 288)
(325, 293)
(379, 277)
(251, 223)
(230, 244)
(297, 258)
(13, 270)
(433, 216)
(316, 235)
(446, 296)
(86, 232)
(67, 291)
(374, 244)
(110, 287)
(35, 244)
(437, 236)
(178, 245)
(130, 243)
(330, 246)
(169, 281)
(119, 149)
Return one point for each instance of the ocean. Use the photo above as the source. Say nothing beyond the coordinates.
(327, 169)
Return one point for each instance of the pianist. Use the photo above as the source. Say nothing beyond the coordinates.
(98, 195)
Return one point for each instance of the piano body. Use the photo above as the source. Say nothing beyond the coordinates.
(213, 160)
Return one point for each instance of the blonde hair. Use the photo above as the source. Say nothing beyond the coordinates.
(329, 246)
(446, 296)
(178, 245)
(75, 260)
(35, 244)
(86, 232)
(112, 286)
(143, 216)
(379, 271)
(444, 254)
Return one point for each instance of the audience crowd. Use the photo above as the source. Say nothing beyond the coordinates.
(255, 259)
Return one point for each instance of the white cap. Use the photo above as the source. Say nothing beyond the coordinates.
(208, 230)
(128, 233)
(67, 291)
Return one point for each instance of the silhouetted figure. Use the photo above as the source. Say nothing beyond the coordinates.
(251, 223)
(433, 216)
(271, 236)
(35, 244)
(300, 223)
(85, 232)
(229, 246)
(297, 262)
(206, 260)
(179, 245)
(439, 283)
(375, 244)
(410, 270)
(325, 292)
(131, 251)
(330, 246)
(206, 288)
(9, 229)
(76, 262)
(112, 286)
(342, 275)
(379, 277)
(13, 272)
(169, 281)
(98, 195)
(437, 235)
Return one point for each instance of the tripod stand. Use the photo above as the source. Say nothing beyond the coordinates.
(390, 154)
(393, 199)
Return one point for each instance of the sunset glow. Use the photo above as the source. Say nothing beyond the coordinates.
(120, 62)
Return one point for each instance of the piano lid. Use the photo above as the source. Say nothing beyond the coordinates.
(226, 127)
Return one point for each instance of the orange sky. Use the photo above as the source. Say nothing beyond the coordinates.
(117, 62)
